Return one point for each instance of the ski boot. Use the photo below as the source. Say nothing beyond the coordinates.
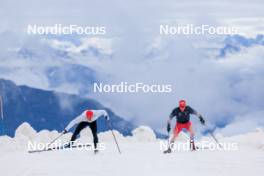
(167, 151)
(171, 145)
(192, 145)
(69, 145)
(96, 151)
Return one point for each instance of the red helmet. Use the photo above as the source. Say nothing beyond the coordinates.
(89, 115)
(182, 104)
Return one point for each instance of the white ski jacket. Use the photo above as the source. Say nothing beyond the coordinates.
(82, 118)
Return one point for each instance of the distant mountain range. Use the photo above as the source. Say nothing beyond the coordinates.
(50, 63)
(48, 109)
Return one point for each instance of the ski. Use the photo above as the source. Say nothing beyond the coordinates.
(203, 148)
(59, 148)
(196, 149)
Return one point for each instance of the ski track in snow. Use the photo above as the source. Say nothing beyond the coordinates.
(139, 157)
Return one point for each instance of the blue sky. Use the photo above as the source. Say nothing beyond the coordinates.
(225, 90)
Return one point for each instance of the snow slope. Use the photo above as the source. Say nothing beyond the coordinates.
(138, 157)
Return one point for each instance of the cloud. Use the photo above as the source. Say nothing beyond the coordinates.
(219, 89)
(244, 123)
(36, 62)
(103, 45)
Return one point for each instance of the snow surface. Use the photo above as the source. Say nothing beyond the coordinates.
(139, 156)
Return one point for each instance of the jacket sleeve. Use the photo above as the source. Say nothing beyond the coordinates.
(192, 111)
(74, 122)
(172, 114)
(105, 114)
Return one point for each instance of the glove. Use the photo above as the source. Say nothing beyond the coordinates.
(168, 127)
(107, 117)
(201, 120)
(65, 131)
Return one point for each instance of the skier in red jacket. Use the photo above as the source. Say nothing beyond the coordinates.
(182, 114)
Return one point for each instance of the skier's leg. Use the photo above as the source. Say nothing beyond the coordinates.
(190, 129)
(176, 132)
(191, 132)
(93, 127)
(78, 129)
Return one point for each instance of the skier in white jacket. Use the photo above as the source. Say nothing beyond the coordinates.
(87, 118)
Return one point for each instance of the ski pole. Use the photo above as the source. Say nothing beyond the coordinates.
(2, 114)
(2, 107)
(54, 140)
(111, 128)
(213, 136)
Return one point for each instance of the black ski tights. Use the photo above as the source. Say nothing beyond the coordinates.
(81, 126)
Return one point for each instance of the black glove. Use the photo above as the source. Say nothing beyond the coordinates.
(201, 120)
(168, 127)
(65, 131)
(107, 117)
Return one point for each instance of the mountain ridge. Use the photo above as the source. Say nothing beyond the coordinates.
(49, 109)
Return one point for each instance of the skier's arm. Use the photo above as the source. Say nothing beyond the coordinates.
(172, 114)
(192, 111)
(198, 115)
(74, 122)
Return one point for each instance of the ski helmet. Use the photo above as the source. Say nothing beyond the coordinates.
(89, 115)
(182, 104)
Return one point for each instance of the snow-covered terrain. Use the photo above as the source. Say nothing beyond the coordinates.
(141, 155)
